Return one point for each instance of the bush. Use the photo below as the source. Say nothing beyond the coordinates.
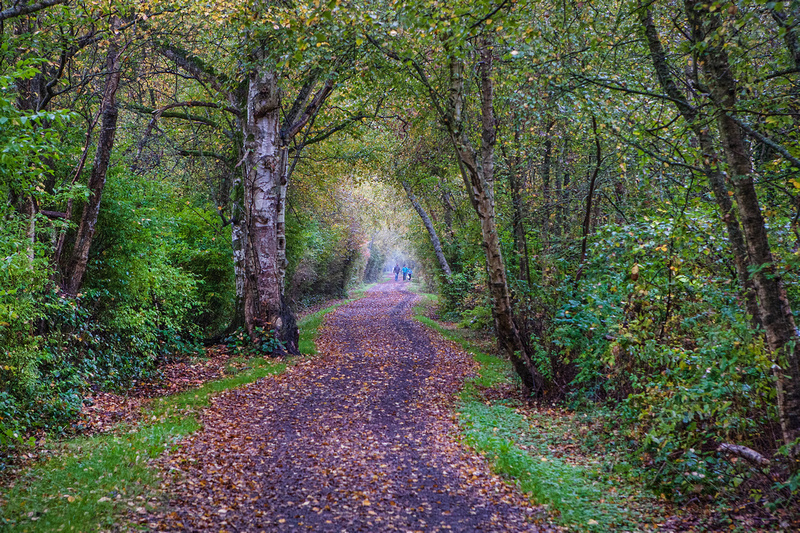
(655, 326)
(465, 292)
(479, 318)
(138, 307)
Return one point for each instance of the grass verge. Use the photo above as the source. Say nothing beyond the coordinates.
(93, 482)
(523, 446)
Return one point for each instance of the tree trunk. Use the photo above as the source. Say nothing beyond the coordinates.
(478, 176)
(437, 246)
(716, 178)
(449, 210)
(28, 210)
(776, 314)
(264, 306)
(518, 217)
(76, 268)
(238, 244)
(587, 218)
(281, 213)
(546, 164)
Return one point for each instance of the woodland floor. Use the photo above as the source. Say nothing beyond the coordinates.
(360, 438)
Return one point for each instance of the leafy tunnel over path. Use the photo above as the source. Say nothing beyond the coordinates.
(361, 438)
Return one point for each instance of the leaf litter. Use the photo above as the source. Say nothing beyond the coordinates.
(361, 438)
(104, 411)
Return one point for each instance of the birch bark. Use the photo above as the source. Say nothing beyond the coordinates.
(264, 191)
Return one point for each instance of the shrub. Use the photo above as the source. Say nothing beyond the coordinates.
(655, 326)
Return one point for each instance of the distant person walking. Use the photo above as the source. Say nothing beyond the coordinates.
(409, 274)
(405, 272)
(396, 271)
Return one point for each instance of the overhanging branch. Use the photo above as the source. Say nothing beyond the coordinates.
(26, 9)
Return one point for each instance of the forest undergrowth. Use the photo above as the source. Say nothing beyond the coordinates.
(579, 462)
(94, 482)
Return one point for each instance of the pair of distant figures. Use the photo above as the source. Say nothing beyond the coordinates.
(405, 271)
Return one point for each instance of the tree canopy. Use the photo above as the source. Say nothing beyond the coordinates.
(611, 188)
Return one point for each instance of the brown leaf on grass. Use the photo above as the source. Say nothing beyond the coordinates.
(103, 411)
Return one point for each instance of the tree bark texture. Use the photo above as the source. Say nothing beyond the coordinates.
(238, 244)
(264, 190)
(449, 210)
(714, 174)
(546, 164)
(477, 171)
(776, 314)
(437, 245)
(76, 267)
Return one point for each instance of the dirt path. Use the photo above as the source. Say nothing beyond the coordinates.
(361, 438)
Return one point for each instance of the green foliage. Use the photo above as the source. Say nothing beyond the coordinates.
(28, 140)
(93, 482)
(263, 343)
(656, 324)
(31, 390)
(464, 296)
(138, 307)
(479, 318)
(322, 259)
(201, 249)
(131, 276)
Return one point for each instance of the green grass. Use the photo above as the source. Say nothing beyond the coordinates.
(93, 482)
(579, 497)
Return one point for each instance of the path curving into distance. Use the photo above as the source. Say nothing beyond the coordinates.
(359, 438)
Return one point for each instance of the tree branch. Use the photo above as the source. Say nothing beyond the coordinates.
(26, 9)
(744, 452)
(766, 140)
(311, 110)
(203, 153)
(196, 67)
(302, 96)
